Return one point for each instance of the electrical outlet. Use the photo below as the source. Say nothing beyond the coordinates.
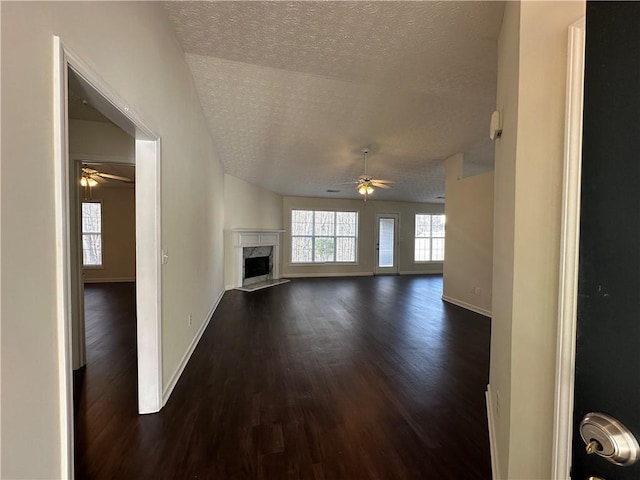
(190, 318)
(478, 291)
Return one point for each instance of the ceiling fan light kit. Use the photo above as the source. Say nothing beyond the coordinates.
(88, 182)
(365, 189)
(365, 184)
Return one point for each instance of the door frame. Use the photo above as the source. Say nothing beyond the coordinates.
(79, 351)
(396, 267)
(148, 240)
(570, 237)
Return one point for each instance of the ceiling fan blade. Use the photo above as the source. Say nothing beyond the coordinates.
(97, 178)
(380, 185)
(114, 177)
(348, 183)
(382, 181)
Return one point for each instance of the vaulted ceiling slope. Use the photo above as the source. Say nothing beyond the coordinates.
(293, 91)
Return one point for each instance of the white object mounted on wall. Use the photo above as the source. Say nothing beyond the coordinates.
(495, 126)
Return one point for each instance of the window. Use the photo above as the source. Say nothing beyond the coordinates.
(429, 241)
(319, 236)
(92, 234)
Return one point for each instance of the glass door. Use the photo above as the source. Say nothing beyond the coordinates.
(386, 243)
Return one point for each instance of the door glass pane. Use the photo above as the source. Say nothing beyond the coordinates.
(386, 242)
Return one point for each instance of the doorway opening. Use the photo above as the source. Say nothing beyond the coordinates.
(71, 73)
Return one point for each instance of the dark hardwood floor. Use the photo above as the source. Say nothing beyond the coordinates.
(353, 378)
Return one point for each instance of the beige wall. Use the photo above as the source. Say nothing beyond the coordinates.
(103, 141)
(98, 139)
(532, 61)
(246, 206)
(366, 242)
(469, 240)
(133, 50)
(118, 235)
(503, 236)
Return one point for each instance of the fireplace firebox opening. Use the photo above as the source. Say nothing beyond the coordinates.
(256, 267)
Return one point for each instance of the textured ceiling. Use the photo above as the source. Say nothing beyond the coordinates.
(293, 91)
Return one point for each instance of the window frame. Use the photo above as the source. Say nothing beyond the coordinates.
(313, 236)
(430, 237)
(101, 233)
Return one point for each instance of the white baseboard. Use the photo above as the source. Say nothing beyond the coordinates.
(187, 355)
(492, 434)
(468, 306)
(228, 287)
(423, 272)
(351, 274)
(326, 275)
(110, 280)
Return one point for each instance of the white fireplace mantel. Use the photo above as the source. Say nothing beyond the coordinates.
(246, 237)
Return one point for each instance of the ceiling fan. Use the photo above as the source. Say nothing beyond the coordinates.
(92, 177)
(366, 184)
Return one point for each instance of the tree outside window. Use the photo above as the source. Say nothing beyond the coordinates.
(322, 236)
(429, 238)
(92, 234)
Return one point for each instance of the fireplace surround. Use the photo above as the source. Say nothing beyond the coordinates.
(253, 244)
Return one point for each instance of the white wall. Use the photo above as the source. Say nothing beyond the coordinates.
(366, 241)
(132, 48)
(246, 206)
(532, 69)
(468, 263)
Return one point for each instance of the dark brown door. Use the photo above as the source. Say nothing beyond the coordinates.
(608, 337)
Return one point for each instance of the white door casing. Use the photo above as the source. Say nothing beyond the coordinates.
(148, 240)
(567, 304)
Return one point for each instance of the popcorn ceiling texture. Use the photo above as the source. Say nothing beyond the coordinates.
(293, 92)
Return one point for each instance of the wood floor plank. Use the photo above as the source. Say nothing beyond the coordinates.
(342, 378)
